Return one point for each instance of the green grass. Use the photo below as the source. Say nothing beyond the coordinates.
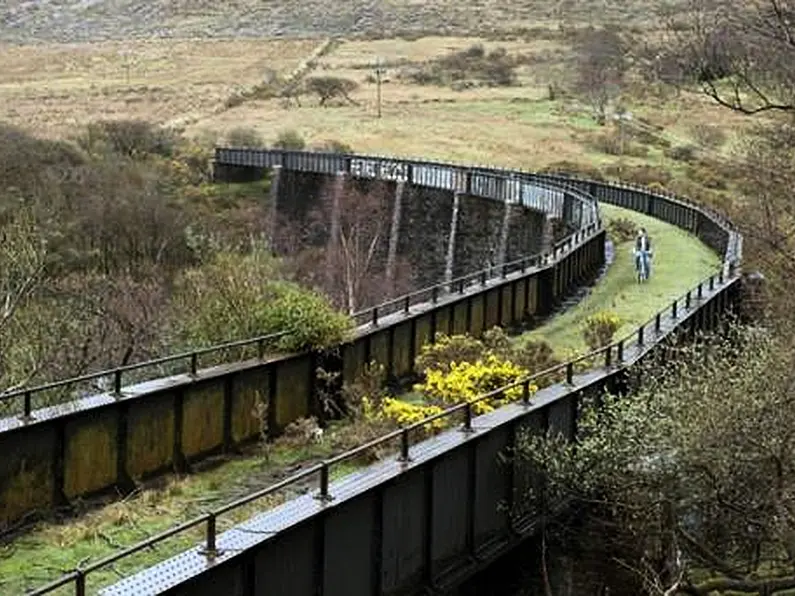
(680, 262)
(51, 549)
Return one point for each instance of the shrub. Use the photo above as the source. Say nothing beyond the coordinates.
(290, 140)
(599, 329)
(312, 320)
(708, 135)
(131, 138)
(611, 144)
(706, 176)
(466, 381)
(238, 296)
(686, 153)
(244, 137)
(403, 413)
(642, 175)
(334, 146)
(466, 67)
(447, 350)
(585, 170)
(621, 230)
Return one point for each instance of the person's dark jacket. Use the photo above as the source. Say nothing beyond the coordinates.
(639, 240)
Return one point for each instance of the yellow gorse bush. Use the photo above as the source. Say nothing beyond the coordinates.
(599, 329)
(405, 413)
(466, 381)
(402, 413)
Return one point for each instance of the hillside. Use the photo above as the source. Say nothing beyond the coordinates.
(94, 20)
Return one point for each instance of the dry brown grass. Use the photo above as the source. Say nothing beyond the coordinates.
(51, 89)
(516, 126)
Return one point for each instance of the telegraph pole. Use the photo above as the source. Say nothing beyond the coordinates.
(378, 72)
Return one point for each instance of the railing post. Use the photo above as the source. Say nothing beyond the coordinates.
(261, 349)
(117, 383)
(609, 356)
(640, 335)
(657, 322)
(406, 304)
(711, 282)
(468, 418)
(570, 373)
(482, 278)
(26, 407)
(620, 354)
(435, 294)
(720, 276)
(210, 548)
(673, 309)
(700, 293)
(374, 319)
(194, 364)
(504, 270)
(687, 300)
(461, 286)
(404, 446)
(324, 495)
(80, 582)
(526, 393)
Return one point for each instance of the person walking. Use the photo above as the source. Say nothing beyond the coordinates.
(643, 251)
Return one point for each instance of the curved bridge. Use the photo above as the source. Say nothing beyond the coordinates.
(103, 442)
(431, 516)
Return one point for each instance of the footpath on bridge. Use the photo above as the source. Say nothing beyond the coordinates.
(45, 552)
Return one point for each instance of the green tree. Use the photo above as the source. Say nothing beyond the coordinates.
(240, 296)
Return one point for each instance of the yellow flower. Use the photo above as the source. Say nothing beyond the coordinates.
(467, 381)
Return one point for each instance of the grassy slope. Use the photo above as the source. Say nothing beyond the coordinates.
(680, 261)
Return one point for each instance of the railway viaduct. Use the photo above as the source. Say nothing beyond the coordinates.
(432, 515)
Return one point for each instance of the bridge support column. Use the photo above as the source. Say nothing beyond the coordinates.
(502, 250)
(337, 190)
(448, 267)
(394, 236)
(547, 236)
(273, 197)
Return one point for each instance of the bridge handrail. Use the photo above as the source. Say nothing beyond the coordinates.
(78, 576)
(117, 372)
(368, 315)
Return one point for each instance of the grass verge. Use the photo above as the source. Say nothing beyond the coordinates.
(50, 549)
(680, 261)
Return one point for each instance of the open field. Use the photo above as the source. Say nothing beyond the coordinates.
(53, 89)
(516, 125)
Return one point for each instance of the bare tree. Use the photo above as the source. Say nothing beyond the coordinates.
(742, 53)
(601, 65)
(350, 264)
(23, 256)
